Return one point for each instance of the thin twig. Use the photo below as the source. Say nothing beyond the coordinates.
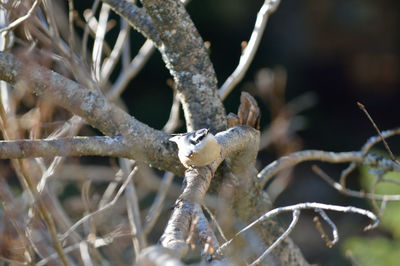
(132, 206)
(173, 120)
(86, 31)
(362, 107)
(97, 243)
(135, 66)
(214, 220)
(308, 155)
(365, 148)
(204, 233)
(307, 205)
(18, 21)
(110, 204)
(73, 64)
(247, 56)
(52, 25)
(329, 243)
(44, 212)
(49, 172)
(99, 40)
(112, 186)
(134, 222)
(372, 191)
(156, 207)
(376, 139)
(349, 192)
(346, 172)
(84, 250)
(71, 38)
(110, 62)
(296, 215)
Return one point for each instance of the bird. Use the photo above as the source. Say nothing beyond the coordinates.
(197, 148)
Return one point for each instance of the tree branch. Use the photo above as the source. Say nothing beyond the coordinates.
(184, 53)
(234, 142)
(20, 20)
(137, 18)
(249, 52)
(76, 146)
(309, 155)
(146, 144)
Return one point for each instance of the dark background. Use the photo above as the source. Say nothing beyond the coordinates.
(343, 51)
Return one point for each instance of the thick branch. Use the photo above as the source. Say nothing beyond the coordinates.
(146, 144)
(136, 17)
(184, 53)
(235, 141)
(76, 146)
(64, 92)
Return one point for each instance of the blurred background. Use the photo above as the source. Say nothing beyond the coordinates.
(331, 54)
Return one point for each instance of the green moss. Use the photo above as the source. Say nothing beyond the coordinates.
(391, 216)
(373, 252)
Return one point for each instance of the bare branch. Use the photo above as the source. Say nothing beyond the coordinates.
(137, 17)
(18, 21)
(133, 69)
(132, 206)
(158, 256)
(76, 146)
(205, 234)
(309, 155)
(247, 56)
(99, 41)
(155, 209)
(173, 120)
(110, 62)
(146, 144)
(374, 140)
(189, 64)
(308, 205)
(47, 217)
(87, 29)
(335, 234)
(84, 250)
(214, 220)
(71, 38)
(108, 205)
(238, 141)
(296, 215)
(177, 230)
(352, 193)
(98, 242)
(362, 107)
(365, 148)
(130, 72)
(62, 91)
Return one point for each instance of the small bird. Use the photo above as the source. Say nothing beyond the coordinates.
(197, 148)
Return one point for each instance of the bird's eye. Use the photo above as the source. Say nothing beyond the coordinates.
(200, 138)
(192, 142)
